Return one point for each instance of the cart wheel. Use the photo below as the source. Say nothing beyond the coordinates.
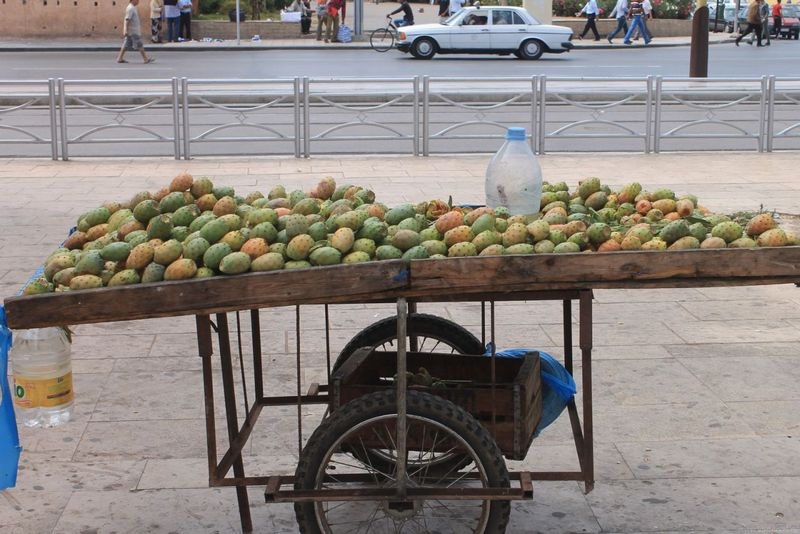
(427, 333)
(433, 424)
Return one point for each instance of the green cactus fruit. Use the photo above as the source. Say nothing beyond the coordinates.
(278, 191)
(545, 246)
(201, 186)
(213, 230)
(404, 239)
(598, 233)
(235, 263)
(397, 214)
(94, 217)
(124, 278)
(195, 248)
(116, 251)
(86, 281)
(461, 249)
(136, 238)
(743, 242)
(325, 256)
(236, 238)
(90, 262)
(184, 215)
(727, 230)
(146, 210)
(434, 246)
(201, 220)
(318, 231)
(516, 233)
(493, 250)
(306, 206)
(388, 252)
(430, 234)
(296, 264)
(417, 252)
(204, 272)
(220, 191)
(685, 242)
(171, 202)
(483, 223)
(580, 238)
(713, 242)
(357, 256)
(588, 186)
(655, 244)
(57, 263)
(280, 248)
(343, 239)
(271, 261)
(486, 238)
(365, 245)
(294, 225)
(257, 216)
(118, 218)
(698, 231)
(566, 246)
(266, 231)
(160, 227)
(154, 272)
(520, 248)
(213, 256)
(411, 223)
(374, 229)
(299, 247)
(663, 193)
(596, 200)
(674, 231)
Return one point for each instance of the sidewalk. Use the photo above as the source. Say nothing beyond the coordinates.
(697, 409)
(374, 17)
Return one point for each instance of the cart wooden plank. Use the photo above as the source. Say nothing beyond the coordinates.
(461, 277)
(451, 279)
(363, 282)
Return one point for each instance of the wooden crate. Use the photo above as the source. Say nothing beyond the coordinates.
(510, 410)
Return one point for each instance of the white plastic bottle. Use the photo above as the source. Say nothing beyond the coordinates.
(514, 176)
(42, 368)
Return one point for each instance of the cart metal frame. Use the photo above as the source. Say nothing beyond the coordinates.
(278, 487)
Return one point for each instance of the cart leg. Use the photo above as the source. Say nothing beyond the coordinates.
(232, 418)
(586, 375)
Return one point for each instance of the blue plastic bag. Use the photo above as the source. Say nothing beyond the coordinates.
(9, 437)
(558, 386)
(345, 34)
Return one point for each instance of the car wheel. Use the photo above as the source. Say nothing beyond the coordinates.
(531, 49)
(423, 48)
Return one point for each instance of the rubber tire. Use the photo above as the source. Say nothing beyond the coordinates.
(423, 48)
(384, 403)
(379, 38)
(419, 324)
(531, 49)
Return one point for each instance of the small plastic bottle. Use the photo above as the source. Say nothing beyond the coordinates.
(514, 176)
(42, 368)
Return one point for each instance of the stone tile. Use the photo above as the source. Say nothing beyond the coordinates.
(89, 347)
(39, 473)
(55, 444)
(153, 395)
(733, 350)
(740, 310)
(639, 296)
(24, 511)
(624, 332)
(609, 463)
(735, 504)
(691, 420)
(647, 382)
(748, 378)
(751, 331)
(556, 507)
(775, 417)
(125, 440)
(751, 457)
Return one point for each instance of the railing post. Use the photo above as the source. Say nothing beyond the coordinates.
(770, 113)
(542, 113)
(51, 104)
(657, 120)
(176, 123)
(416, 116)
(534, 114)
(298, 109)
(62, 121)
(306, 120)
(648, 114)
(187, 136)
(426, 115)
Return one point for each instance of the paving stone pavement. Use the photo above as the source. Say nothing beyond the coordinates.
(697, 409)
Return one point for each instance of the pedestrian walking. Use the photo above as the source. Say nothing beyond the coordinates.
(444, 9)
(591, 11)
(763, 13)
(156, 16)
(456, 5)
(648, 14)
(753, 22)
(777, 18)
(132, 34)
(620, 12)
(637, 16)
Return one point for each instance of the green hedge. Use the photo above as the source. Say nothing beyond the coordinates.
(662, 9)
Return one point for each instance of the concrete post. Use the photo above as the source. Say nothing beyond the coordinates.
(698, 54)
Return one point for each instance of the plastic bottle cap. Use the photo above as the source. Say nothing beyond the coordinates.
(515, 134)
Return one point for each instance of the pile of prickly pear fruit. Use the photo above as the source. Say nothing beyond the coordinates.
(196, 229)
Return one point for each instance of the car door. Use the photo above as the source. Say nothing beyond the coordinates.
(472, 33)
(507, 29)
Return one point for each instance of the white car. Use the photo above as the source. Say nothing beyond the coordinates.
(498, 30)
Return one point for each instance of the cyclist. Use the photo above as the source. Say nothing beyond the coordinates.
(408, 14)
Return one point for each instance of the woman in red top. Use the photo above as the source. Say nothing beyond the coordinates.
(777, 17)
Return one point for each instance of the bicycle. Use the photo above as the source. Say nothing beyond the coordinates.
(383, 39)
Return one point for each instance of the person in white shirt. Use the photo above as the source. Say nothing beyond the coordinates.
(185, 26)
(132, 33)
(456, 5)
(173, 17)
(648, 14)
(620, 11)
(591, 11)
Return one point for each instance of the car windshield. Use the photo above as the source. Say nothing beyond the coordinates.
(791, 11)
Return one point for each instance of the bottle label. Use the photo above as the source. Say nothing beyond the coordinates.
(43, 392)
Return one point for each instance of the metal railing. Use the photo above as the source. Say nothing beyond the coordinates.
(304, 116)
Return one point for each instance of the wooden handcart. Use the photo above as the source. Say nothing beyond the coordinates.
(403, 456)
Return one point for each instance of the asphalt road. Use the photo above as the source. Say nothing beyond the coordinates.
(725, 60)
